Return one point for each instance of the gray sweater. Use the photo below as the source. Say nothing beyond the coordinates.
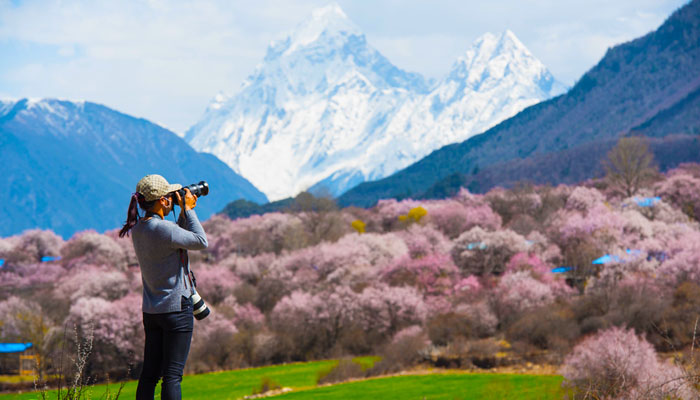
(156, 243)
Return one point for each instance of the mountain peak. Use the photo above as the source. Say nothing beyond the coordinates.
(331, 11)
(330, 20)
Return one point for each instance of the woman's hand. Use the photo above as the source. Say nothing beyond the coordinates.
(190, 200)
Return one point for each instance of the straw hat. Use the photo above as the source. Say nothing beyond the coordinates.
(153, 187)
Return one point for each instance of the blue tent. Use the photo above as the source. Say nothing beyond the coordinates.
(561, 270)
(49, 258)
(2, 262)
(647, 201)
(14, 347)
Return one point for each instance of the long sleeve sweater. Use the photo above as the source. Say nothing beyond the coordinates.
(157, 243)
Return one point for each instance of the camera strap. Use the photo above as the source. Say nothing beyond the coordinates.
(184, 262)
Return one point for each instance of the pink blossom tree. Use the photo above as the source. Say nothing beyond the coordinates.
(583, 199)
(433, 274)
(682, 190)
(92, 281)
(117, 328)
(453, 217)
(214, 282)
(519, 291)
(422, 240)
(354, 260)
(31, 277)
(618, 364)
(30, 247)
(468, 289)
(257, 234)
(90, 247)
(387, 309)
(314, 322)
(480, 252)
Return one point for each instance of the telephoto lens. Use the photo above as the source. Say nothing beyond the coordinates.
(198, 189)
(200, 310)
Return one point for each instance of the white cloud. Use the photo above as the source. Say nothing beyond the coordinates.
(164, 59)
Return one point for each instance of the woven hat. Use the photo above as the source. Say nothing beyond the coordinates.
(153, 187)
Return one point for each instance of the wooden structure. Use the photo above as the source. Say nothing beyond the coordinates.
(17, 359)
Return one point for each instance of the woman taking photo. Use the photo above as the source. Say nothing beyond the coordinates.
(167, 306)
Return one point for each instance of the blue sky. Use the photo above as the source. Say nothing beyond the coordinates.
(165, 59)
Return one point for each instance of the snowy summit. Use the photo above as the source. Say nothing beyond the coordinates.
(326, 110)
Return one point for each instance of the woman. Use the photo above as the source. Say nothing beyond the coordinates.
(167, 307)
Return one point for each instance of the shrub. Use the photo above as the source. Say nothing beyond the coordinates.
(480, 318)
(445, 328)
(405, 350)
(266, 385)
(617, 363)
(344, 371)
(213, 345)
(678, 321)
(549, 328)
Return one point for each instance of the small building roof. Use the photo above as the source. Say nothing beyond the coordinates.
(14, 347)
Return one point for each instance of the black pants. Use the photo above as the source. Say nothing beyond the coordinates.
(168, 338)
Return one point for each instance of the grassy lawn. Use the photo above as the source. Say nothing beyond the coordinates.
(303, 376)
(452, 386)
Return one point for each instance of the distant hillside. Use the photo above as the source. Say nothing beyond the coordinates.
(70, 166)
(649, 85)
(567, 166)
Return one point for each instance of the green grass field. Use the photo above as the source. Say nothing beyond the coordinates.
(302, 378)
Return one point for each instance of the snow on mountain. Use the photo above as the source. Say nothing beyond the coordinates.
(70, 166)
(326, 110)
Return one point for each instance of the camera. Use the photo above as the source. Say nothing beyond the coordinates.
(199, 309)
(198, 189)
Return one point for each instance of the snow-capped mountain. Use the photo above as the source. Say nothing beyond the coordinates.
(326, 110)
(70, 166)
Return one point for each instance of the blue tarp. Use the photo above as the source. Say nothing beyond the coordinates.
(606, 259)
(1, 262)
(658, 255)
(475, 245)
(561, 270)
(14, 347)
(48, 258)
(612, 258)
(647, 201)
